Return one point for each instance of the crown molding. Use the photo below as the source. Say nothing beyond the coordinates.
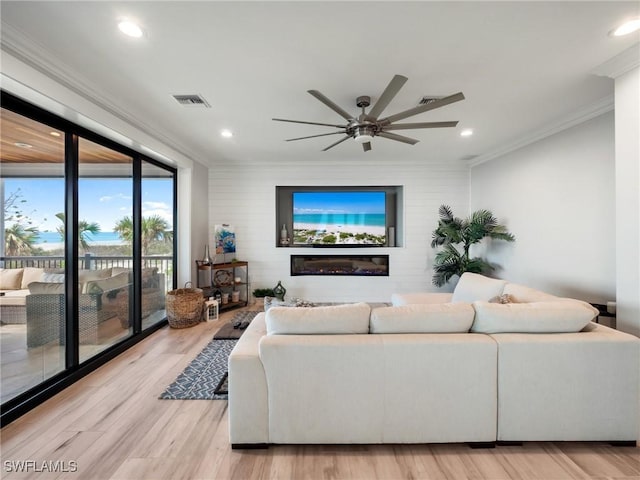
(32, 54)
(582, 115)
(620, 64)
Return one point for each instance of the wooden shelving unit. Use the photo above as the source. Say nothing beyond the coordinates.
(220, 278)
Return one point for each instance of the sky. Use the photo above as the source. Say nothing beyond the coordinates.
(104, 201)
(338, 202)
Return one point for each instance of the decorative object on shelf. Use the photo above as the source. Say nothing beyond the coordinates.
(451, 231)
(238, 280)
(206, 260)
(225, 298)
(279, 291)
(284, 235)
(222, 278)
(235, 296)
(225, 239)
(204, 267)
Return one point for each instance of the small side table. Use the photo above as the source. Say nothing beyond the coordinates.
(211, 310)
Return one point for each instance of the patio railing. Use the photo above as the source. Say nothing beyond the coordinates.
(164, 264)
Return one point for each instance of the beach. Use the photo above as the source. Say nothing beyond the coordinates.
(305, 233)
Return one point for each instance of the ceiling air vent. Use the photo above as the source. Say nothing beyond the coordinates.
(429, 99)
(191, 101)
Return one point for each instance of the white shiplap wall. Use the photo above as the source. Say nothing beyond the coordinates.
(244, 196)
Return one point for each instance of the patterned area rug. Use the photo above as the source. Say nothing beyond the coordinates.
(203, 375)
(206, 376)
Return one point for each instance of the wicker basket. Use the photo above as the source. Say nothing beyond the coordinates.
(184, 307)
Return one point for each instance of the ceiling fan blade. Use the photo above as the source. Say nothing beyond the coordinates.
(309, 123)
(331, 105)
(334, 144)
(366, 146)
(409, 126)
(391, 91)
(456, 97)
(312, 136)
(398, 138)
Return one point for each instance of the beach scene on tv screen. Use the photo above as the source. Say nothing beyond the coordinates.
(339, 218)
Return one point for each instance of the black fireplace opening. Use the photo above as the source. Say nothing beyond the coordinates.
(344, 265)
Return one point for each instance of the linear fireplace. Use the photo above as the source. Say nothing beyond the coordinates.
(349, 265)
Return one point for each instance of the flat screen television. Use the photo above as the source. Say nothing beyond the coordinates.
(339, 218)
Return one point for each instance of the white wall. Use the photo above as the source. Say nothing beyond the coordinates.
(557, 196)
(627, 101)
(244, 196)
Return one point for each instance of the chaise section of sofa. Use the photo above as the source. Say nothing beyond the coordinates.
(568, 386)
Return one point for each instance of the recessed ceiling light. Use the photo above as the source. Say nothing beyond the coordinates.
(226, 133)
(54, 134)
(466, 132)
(23, 145)
(130, 28)
(626, 28)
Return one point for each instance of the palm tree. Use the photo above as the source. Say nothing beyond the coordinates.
(19, 240)
(154, 228)
(84, 228)
(452, 231)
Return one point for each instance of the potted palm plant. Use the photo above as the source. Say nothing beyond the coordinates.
(452, 231)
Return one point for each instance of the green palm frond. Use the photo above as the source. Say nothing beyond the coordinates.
(451, 231)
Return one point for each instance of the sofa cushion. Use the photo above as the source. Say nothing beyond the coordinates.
(473, 287)
(112, 283)
(336, 319)
(13, 298)
(11, 278)
(31, 274)
(46, 287)
(534, 317)
(48, 277)
(398, 299)
(85, 276)
(423, 318)
(522, 294)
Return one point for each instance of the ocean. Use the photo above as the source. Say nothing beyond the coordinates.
(344, 219)
(102, 238)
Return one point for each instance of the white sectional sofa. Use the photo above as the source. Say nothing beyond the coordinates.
(462, 369)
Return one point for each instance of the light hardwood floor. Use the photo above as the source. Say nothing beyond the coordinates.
(114, 426)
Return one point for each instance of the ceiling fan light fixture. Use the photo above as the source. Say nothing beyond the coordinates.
(363, 134)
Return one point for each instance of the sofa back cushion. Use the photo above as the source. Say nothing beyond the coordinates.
(522, 294)
(332, 320)
(104, 285)
(86, 276)
(31, 274)
(537, 317)
(11, 278)
(473, 287)
(423, 318)
(49, 277)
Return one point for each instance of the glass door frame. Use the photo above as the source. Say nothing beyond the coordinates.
(75, 369)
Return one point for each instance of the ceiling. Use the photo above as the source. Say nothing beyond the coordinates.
(524, 68)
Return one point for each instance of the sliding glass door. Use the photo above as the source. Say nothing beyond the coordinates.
(32, 295)
(86, 253)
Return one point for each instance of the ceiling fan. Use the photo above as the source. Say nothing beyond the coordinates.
(367, 125)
